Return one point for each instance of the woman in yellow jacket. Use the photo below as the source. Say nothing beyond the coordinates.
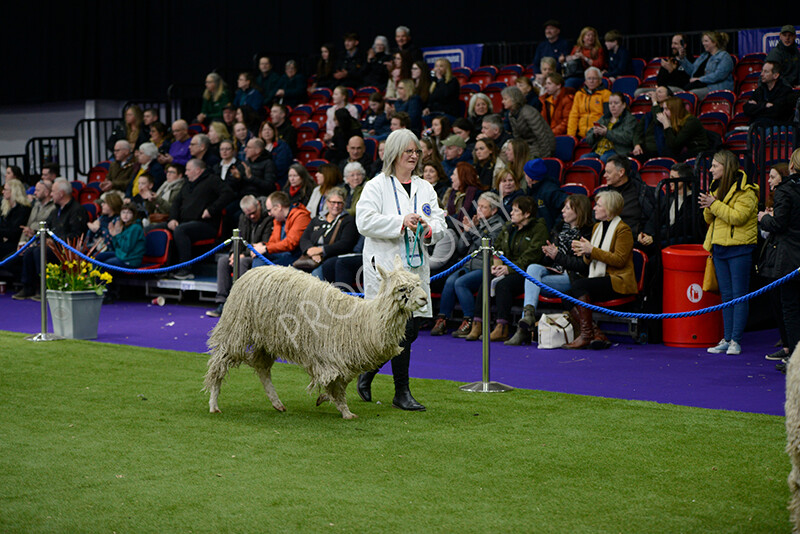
(731, 210)
(587, 107)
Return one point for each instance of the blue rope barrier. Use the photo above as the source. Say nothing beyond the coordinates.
(18, 252)
(631, 315)
(139, 271)
(257, 254)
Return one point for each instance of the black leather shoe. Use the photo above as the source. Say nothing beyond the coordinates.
(404, 401)
(364, 385)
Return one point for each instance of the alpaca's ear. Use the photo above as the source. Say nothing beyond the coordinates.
(398, 263)
(382, 273)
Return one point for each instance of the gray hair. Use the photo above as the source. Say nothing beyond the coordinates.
(474, 98)
(197, 163)
(149, 149)
(516, 96)
(396, 143)
(337, 191)
(63, 185)
(203, 140)
(595, 70)
(292, 63)
(248, 200)
(354, 166)
(492, 198)
(403, 29)
(495, 120)
(123, 144)
(383, 40)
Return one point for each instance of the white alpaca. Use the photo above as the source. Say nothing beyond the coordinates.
(792, 409)
(280, 312)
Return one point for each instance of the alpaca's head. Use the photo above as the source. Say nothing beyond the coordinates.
(403, 286)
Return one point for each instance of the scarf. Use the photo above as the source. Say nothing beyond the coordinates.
(597, 269)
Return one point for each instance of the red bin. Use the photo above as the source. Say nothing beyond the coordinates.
(684, 266)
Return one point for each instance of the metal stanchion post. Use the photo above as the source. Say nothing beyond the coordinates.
(486, 386)
(43, 335)
(235, 251)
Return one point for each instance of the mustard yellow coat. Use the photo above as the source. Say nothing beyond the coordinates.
(734, 220)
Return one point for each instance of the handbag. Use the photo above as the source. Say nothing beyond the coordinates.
(307, 263)
(555, 330)
(710, 277)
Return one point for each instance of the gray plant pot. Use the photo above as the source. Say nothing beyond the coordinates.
(75, 314)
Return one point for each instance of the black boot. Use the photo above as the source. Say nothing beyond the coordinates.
(404, 400)
(364, 385)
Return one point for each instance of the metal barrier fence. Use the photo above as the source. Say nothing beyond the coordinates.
(20, 160)
(185, 101)
(91, 142)
(163, 107)
(57, 149)
(768, 145)
(678, 218)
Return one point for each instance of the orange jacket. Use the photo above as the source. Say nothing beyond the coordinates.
(295, 224)
(586, 109)
(556, 110)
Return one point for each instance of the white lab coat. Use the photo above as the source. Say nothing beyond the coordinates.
(378, 221)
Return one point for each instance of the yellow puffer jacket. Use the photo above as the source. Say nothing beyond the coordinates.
(586, 109)
(734, 221)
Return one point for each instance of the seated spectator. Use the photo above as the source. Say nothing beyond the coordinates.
(200, 148)
(463, 283)
(515, 154)
(99, 237)
(613, 132)
(464, 129)
(339, 102)
(402, 38)
(479, 107)
(286, 132)
(241, 136)
(547, 67)
(521, 240)
(376, 122)
(121, 170)
(459, 200)
(260, 174)
(438, 132)
(247, 94)
(619, 59)
(454, 153)
(159, 136)
(354, 176)
(291, 86)
(229, 117)
(530, 92)
(527, 124)
(127, 240)
(227, 161)
(255, 227)
(268, 81)
(589, 104)
(639, 200)
(356, 153)
(399, 69)
(14, 211)
(158, 204)
(408, 102)
(290, 221)
(587, 52)
(484, 158)
(149, 116)
(248, 116)
(217, 132)
(507, 188)
(328, 176)
(429, 151)
(215, 97)
(280, 151)
(147, 163)
(375, 73)
(648, 136)
(350, 67)
(787, 55)
(713, 70)
(377, 166)
(179, 148)
(300, 185)
(326, 65)
(330, 235)
(559, 266)
(554, 46)
(773, 100)
(132, 131)
(346, 128)
(421, 75)
(557, 103)
(433, 173)
(144, 183)
(544, 190)
(51, 171)
(444, 91)
(196, 211)
(492, 127)
(684, 135)
(672, 74)
(41, 208)
(609, 255)
(68, 221)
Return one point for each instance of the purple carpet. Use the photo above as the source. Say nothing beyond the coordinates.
(688, 377)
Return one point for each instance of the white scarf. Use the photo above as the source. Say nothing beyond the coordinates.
(597, 268)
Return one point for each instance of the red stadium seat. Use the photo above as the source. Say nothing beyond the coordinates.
(585, 176)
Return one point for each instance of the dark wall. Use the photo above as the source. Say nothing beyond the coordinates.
(121, 50)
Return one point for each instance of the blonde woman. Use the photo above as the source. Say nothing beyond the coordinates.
(215, 97)
(444, 91)
(14, 211)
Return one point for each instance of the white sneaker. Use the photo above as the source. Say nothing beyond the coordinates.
(721, 347)
(734, 348)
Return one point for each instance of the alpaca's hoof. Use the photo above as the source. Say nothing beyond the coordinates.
(322, 398)
(349, 415)
(279, 407)
(214, 409)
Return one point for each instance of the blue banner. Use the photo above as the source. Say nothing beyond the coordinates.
(468, 55)
(759, 40)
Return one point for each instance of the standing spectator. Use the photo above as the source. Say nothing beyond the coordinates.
(556, 103)
(553, 46)
(619, 59)
(587, 52)
(787, 54)
(613, 132)
(730, 209)
(527, 124)
(713, 70)
(291, 86)
(215, 97)
(588, 105)
(444, 91)
(246, 93)
(267, 80)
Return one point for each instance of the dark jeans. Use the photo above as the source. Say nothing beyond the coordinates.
(346, 270)
(186, 232)
(790, 300)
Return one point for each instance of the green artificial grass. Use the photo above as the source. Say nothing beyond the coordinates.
(108, 438)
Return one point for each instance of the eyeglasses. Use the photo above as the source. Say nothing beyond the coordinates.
(336, 203)
(410, 152)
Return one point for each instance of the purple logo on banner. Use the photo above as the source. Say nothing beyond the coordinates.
(459, 55)
(761, 40)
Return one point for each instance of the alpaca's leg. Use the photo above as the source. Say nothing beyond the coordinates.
(216, 372)
(265, 374)
(336, 393)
